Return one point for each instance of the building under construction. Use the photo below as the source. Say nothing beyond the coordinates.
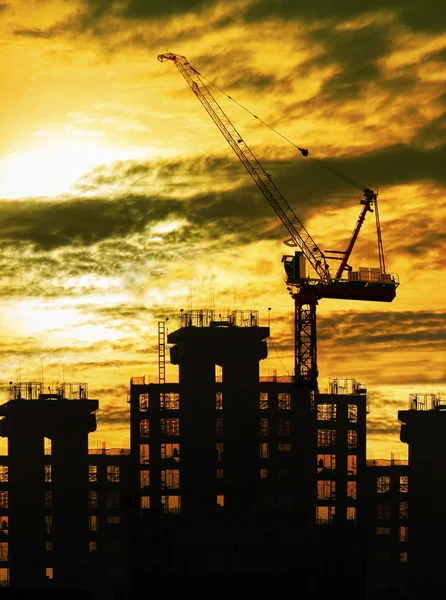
(230, 478)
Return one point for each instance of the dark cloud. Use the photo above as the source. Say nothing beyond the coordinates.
(356, 54)
(434, 132)
(417, 15)
(45, 242)
(420, 329)
(113, 414)
(141, 9)
(383, 426)
(35, 33)
(99, 17)
(50, 224)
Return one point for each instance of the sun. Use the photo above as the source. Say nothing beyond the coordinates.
(53, 166)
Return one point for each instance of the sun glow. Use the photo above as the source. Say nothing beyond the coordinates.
(53, 167)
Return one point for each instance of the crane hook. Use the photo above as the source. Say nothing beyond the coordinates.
(304, 151)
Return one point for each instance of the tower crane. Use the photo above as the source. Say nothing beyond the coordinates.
(367, 284)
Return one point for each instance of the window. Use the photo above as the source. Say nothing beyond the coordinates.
(92, 523)
(170, 479)
(263, 473)
(92, 546)
(113, 520)
(403, 512)
(264, 450)
(351, 490)
(352, 438)
(284, 401)
(383, 484)
(219, 426)
(326, 412)
(143, 402)
(383, 510)
(404, 484)
(3, 474)
(326, 437)
(48, 499)
(326, 462)
(170, 426)
(113, 473)
(144, 453)
(220, 473)
(144, 478)
(284, 427)
(47, 445)
(351, 513)
(3, 499)
(284, 447)
(48, 524)
(145, 502)
(170, 401)
(48, 546)
(263, 400)
(264, 426)
(403, 534)
(325, 514)
(403, 557)
(112, 500)
(4, 524)
(219, 450)
(92, 473)
(172, 504)
(218, 400)
(382, 530)
(351, 464)
(92, 499)
(170, 451)
(48, 473)
(220, 500)
(352, 413)
(144, 428)
(4, 551)
(326, 490)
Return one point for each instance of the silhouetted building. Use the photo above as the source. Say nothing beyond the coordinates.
(387, 487)
(110, 481)
(47, 494)
(340, 461)
(247, 476)
(423, 428)
(231, 478)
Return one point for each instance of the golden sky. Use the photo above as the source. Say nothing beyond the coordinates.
(121, 202)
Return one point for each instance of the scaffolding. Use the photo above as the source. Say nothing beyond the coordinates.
(209, 318)
(345, 386)
(426, 402)
(36, 391)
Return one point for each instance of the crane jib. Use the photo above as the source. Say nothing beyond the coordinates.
(298, 234)
(283, 210)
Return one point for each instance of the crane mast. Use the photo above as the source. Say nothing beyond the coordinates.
(305, 291)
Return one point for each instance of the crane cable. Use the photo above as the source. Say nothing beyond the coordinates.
(304, 151)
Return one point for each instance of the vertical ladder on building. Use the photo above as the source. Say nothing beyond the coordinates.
(161, 352)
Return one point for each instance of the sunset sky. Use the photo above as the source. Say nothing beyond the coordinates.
(122, 203)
